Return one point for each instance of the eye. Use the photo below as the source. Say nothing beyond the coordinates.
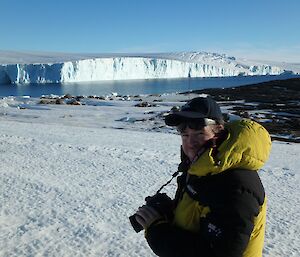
(184, 134)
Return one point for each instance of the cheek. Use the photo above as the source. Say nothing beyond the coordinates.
(187, 151)
(186, 147)
(183, 143)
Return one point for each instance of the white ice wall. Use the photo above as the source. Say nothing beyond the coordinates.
(122, 68)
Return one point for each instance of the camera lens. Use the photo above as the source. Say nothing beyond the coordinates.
(136, 226)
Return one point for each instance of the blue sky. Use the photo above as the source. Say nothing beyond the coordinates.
(257, 29)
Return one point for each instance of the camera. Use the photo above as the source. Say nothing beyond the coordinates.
(162, 203)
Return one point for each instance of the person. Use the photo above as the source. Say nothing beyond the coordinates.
(220, 204)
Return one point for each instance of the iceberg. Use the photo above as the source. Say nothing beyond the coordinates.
(85, 68)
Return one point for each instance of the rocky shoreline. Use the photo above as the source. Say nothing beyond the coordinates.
(274, 104)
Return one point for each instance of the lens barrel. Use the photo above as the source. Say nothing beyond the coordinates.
(136, 226)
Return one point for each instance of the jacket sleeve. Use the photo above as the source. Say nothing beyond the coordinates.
(224, 232)
(228, 227)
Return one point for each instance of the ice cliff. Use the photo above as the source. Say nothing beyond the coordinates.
(80, 68)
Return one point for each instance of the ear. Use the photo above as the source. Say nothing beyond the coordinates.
(217, 129)
(220, 127)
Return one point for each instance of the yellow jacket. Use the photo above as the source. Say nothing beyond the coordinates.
(246, 147)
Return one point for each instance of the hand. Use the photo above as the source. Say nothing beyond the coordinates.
(146, 215)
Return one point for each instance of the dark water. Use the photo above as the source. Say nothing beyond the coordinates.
(132, 87)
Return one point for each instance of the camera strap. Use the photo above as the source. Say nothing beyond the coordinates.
(175, 174)
(209, 144)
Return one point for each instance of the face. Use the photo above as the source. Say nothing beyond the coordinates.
(193, 140)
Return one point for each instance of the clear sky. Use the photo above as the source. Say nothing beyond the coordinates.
(256, 29)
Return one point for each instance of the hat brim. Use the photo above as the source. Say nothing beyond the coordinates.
(174, 119)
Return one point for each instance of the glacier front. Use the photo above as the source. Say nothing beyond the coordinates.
(85, 68)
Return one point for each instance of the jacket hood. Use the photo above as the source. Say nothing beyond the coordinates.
(247, 146)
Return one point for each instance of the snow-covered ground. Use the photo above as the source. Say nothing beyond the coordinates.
(38, 67)
(71, 175)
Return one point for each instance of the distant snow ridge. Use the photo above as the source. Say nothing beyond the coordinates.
(117, 67)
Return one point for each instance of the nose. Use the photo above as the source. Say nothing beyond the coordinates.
(193, 141)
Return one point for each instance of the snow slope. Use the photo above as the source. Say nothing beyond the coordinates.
(38, 67)
(70, 176)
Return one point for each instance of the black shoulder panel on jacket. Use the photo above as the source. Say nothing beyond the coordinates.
(212, 190)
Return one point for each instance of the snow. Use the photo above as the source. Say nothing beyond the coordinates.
(30, 67)
(71, 176)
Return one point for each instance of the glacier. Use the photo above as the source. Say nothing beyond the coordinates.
(64, 68)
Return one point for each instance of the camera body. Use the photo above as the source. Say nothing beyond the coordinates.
(162, 203)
